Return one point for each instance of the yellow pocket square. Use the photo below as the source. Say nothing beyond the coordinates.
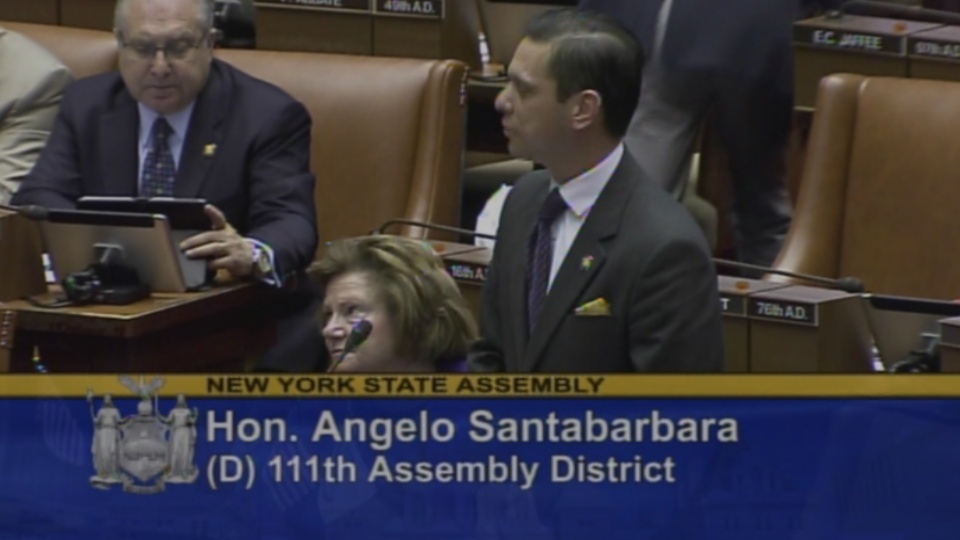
(594, 308)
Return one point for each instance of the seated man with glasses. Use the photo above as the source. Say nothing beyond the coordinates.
(175, 122)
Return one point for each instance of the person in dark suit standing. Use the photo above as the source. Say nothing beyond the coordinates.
(596, 268)
(175, 122)
(732, 56)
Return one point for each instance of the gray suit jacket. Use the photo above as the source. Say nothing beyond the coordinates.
(32, 82)
(648, 260)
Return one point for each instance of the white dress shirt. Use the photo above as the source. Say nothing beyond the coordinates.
(580, 194)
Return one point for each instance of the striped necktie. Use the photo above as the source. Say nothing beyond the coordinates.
(159, 169)
(541, 256)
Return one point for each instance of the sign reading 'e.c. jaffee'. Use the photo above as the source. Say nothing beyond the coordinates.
(835, 38)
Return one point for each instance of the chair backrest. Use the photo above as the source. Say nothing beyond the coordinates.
(84, 52)
(880, 191)
(388, 133)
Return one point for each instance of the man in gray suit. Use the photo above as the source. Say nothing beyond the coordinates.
(596, 268)
(32, 82)
(733, 57)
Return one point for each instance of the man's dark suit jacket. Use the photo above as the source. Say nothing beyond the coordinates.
(259, 173)
(647, 258)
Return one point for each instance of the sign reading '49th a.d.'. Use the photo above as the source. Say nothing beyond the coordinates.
(428, 9)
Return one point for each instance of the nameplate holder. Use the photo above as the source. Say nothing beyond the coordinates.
(466, 272)
(733, 305)
(421, 9)
(8, 329)
(939, 50)
(802, 313)
(950, 332)
(349, 6)
(846, 40)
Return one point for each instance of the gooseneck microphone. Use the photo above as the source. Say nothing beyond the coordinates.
(851, 285)
(432, 226)
(358, 334)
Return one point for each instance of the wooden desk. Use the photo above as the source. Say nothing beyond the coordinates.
(92, 14)
(935, 54)
(950, 345)
(833, 339)
(343, 29)
(872, 46)
(427, 29)
(422, 29)
(452, 249)
(215, 330)
(468, 266)
(734, 297)
(30, 11)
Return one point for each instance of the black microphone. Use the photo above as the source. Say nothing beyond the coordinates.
(358, 334)
(851, 285)
(30, 211)
(432, 226)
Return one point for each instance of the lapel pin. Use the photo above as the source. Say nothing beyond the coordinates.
(209, 150)
(586, 263)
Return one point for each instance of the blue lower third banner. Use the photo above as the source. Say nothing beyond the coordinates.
(151, 458)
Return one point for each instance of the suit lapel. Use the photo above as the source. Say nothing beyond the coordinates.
(119, 147)
(203, 135)
(575, 272)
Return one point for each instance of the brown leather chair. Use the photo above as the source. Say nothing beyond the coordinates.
(84, 52)
(880, 191)
(388, 133)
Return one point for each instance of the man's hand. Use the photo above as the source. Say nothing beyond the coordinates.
(223, 247)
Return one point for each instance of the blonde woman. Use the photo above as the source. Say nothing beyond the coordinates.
(419, 320)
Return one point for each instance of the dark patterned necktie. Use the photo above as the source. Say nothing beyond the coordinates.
(541, 256)
(159, 169)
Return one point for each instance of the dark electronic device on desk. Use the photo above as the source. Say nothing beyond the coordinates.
(906, 330)
(182, 214)
(185, 217)
(112, 257)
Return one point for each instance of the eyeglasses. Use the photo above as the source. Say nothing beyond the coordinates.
(175, 50)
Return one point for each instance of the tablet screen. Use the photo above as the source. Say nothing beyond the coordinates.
(181, 214)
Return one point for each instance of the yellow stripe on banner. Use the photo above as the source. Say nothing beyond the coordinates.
(638, 386)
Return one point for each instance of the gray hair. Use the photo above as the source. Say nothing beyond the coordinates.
(205, 21)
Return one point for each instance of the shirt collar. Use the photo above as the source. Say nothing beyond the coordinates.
(581, 192)
(179, 121)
